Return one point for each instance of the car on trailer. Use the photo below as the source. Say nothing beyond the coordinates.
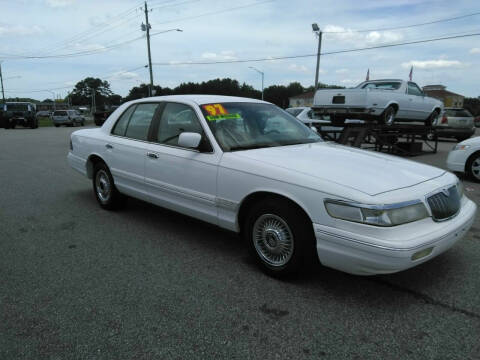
(384, 101)
(19, 114)
(247, 166)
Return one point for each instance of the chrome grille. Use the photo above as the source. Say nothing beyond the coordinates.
(444, 205)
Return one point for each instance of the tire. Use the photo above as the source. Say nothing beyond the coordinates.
(388, 116)
(472, 167)
(56, 125)
(279, 236)
(431, 136)
(432, 118)
(104, 188)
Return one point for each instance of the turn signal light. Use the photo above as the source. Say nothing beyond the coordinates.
(444, 120)
(422, 253)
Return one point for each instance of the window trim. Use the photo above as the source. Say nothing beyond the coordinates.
(156, 126)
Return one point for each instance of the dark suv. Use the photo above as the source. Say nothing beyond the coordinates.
(19, 113)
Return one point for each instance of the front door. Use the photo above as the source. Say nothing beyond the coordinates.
(178, 178)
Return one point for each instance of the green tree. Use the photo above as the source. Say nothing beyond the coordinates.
(82, 93)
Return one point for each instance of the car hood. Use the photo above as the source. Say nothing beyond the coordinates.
(369, 172)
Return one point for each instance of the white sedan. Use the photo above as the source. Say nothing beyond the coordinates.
(465, 158)
(248, 166)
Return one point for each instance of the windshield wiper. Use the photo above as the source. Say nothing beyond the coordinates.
(251, 146)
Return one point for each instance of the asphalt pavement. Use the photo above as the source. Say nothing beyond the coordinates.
(79, 282)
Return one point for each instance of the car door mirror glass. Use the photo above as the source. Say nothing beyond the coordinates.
(189, 140)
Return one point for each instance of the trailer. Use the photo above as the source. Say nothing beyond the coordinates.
(399, 139)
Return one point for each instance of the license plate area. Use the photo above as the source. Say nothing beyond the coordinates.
(338, 99)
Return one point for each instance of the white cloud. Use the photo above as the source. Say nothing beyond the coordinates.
(339, 33)
(297, 68)
(6, 29)
(475, 51)
(59, 3)
(341, 71)
(433, 64)
(124, 75)
(223, 55)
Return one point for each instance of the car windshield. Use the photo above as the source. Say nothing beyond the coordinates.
(294, 111)
(243, 125)
(457, 113)
(60, 113)
(17, 107)
(382, 85)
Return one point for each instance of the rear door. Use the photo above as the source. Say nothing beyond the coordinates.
(127, 148)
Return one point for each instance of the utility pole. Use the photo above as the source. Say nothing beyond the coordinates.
(147, 28)
(260, 72)
(317, 31)
(1, 81)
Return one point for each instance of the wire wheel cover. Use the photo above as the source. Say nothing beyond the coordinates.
(273, 240)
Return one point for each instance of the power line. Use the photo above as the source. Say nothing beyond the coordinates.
(215, 12)
(311, 55)
(404, 26)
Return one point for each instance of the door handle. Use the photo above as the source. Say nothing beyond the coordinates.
(108, 146)
(152, 155)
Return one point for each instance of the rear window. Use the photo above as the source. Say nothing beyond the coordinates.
(458, 113)
(382, 85)
(17, 107)
(60, 113)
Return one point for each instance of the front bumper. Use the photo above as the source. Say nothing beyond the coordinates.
(363, 255)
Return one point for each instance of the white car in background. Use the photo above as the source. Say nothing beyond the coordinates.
(465, 158)
(384, 101)
(305, 114)
(247, 166)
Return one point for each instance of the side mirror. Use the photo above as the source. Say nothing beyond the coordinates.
(189, 140)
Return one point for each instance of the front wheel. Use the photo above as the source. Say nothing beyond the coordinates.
(473, 167)
(388, 116)
(279, 236)
(104, 188)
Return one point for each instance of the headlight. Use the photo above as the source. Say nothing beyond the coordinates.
(379, 215)
(461, 147)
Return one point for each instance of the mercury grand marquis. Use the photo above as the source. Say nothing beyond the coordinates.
(247, 166)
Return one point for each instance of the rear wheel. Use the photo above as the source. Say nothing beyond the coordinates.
(104, 188)
(433, 118)
(56, 125)
(388, 116)
(279, 236)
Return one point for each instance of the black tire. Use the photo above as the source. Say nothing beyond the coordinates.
(432, 118)
(56, 125)
(104, 188)
(472, 167)
(297, 239)
(388, 116)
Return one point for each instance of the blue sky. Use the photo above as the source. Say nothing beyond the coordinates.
(260, 29)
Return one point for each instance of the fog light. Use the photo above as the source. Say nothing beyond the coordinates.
(422, 253)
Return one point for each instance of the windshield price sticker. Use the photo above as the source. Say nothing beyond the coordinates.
(215, 109)
(223, 117)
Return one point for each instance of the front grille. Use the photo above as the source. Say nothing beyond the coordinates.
(444, 205)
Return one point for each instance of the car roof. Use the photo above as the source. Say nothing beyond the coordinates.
(199, 99)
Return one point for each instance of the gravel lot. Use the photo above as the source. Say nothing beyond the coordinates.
(78, 282)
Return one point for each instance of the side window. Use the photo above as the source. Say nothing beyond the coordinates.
(140, 121)
(413, 89)
(177, 118)
(121, 125)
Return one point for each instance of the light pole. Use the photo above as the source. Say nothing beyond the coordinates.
(1, 81)
(260, 72)
(318, 32)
